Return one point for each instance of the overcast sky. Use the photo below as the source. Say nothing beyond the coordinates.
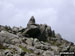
(59, 14)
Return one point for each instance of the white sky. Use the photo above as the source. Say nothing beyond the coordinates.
(59, 14)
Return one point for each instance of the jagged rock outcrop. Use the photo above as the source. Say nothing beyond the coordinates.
(43, 32)
(34, 40)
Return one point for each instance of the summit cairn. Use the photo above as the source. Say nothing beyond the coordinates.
(40, 31)
(31, 21)
(32, 29)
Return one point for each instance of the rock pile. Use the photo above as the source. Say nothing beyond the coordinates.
(41, 31)
(34, 40)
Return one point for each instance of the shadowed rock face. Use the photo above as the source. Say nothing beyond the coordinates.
(32, 32)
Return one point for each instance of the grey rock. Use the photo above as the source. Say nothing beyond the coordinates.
(41, 46)
(55, 48)
(21, 28)
(45, 43)
(16, 40)
(22, 53)
(19, 34)
(68, 47)
(58, 36)
(53, 33)
(48, 31)
(16, 55)
(38, 45)
(5, 44)
(23, 44)
(38, 51)
(36, 40)
(29, 41)
(32, 54)
(45, 47)
(15, 30)
(17, 48)
(31, 48)
(31, 21)
(6, 37)
(1, 53)
(1, 28)
(72, 48)
(42, 36)
(5, 28)
(27, 54)
(8, 53)
(48, 53)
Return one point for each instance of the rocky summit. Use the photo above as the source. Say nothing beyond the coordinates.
(34, 40)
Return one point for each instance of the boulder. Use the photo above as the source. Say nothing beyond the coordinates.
(8, 53)
(48, 53)
(38, 51)
(2, 28)
(6, 37)
(29, 41)
(15, 30)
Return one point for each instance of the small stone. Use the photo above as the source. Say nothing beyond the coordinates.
(38, 51)
(8, 53)
(23, 53)
(29, 41)
(48, 53)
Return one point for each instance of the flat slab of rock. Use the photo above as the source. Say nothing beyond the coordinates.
(6, 36)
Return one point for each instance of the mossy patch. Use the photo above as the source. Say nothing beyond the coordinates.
(3, 47)
(25, 49)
